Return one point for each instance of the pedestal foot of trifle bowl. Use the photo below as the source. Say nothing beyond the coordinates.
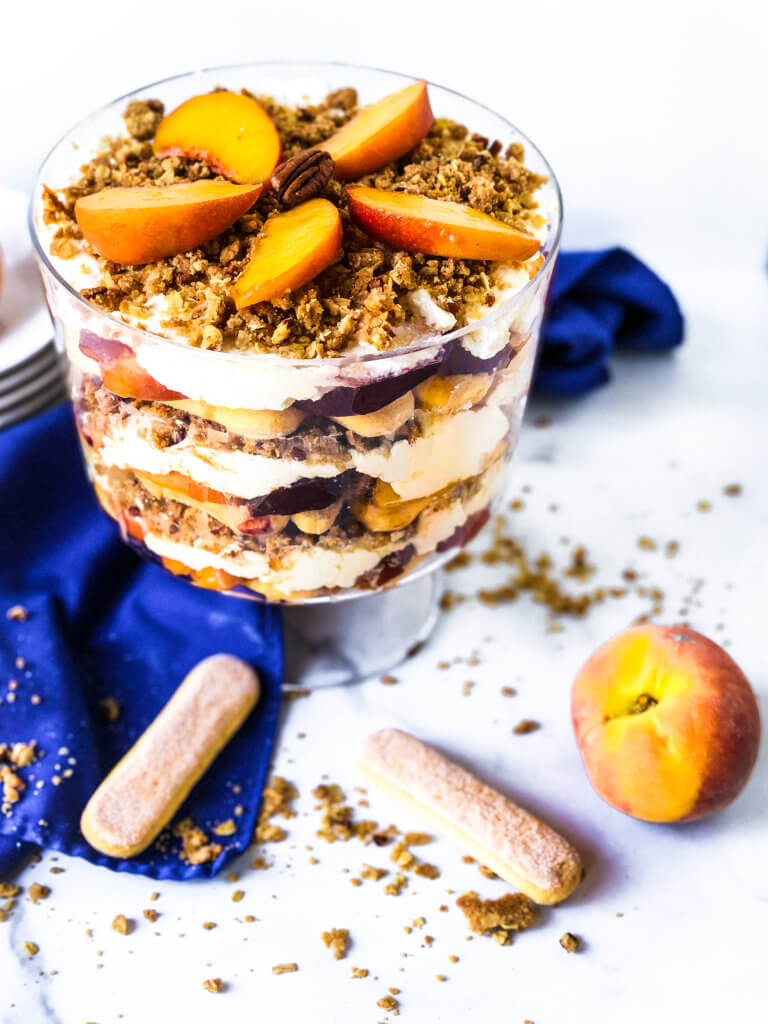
(330, 644)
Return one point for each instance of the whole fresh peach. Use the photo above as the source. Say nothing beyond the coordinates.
(666, 722)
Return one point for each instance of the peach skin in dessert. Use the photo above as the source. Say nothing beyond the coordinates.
(143, 224)
(435, 226)
(292, 249)
(381, 132)
(231, 132)
(666, 722)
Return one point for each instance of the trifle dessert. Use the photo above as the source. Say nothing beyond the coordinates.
(301, 308)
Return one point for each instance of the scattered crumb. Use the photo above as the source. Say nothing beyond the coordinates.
(38, 892)
(525, 726)
(151, 915)
(388, 1003)
(17, 613)
(542, 421)
(225, 828)
(109, 709)
(395, 887)
(732, 490)
(508, 691)
(486, 871)
(285, 968)
(337, 940)
(195, 845)
(122, 924)
(208, 925)
(31, 948)
(509, 913)
(441, 977)
(388, 680)
(359, 972)
(276, 799)
(237, 895)
(570, 942)
(213, 985)
(703, 506)
(646, 544)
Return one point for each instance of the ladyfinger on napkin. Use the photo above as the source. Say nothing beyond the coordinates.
(145, 789)
(510, 840)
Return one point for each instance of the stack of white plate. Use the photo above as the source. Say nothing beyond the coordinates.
(31, 372)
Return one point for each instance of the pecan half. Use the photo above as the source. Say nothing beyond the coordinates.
(302, 177)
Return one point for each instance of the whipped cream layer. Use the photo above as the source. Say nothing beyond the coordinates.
(451, 448)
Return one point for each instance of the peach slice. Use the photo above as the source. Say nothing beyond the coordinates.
(144, 224)
(381, 132)
(180, 487)
(318, 521)
(436, 226)
(384, 421)
(258, 423)
(292, 248)
(386, 511)
(450, 394)
(231, 132)
(120, 370)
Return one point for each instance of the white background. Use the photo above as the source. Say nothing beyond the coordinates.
(654, 117)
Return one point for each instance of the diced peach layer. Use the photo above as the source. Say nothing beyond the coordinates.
(141, 225)
(381, 132)
(406, 221)
(666, 722)
(292, 249)
(229, 131)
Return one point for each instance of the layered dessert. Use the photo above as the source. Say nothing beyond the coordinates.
(301, 335)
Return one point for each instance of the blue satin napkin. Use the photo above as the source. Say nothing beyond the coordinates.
(600, 301)
(103, 623)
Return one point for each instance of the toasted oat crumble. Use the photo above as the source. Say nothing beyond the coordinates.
(337, 940)
(363, 294)
(38, 892)
(122, 924)
(285, 968)
(213, 985)
(196, 848)
(570, 942)
(501, 917)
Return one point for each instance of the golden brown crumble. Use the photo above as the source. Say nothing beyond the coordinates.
(110, 709)
(213, 985)
(388, 1003)
(395, 887)
(525, 726)
(363, 294)
(285, 968)
(13, 756)
(512, 912)
(31, 948)
(196, 848)
(151, 915)
(368, 871)
(122, 924)
(38, 892)
(359, 972)
(17, 613)
(732, 490)
(337, 940)
(225, 828)
(338, 822)
(570, 942)
(276, 799)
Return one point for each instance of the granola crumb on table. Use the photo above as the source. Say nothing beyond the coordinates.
(338, 941)
(364, 293)
(510, 913)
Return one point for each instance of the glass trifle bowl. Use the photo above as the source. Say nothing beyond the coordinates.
(306, 477)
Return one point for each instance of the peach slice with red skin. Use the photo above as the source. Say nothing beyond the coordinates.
(381, 132)
(144, 224)
(292, 248)
(666, 722)
(437, 227)
(120, 370)
(231, 132)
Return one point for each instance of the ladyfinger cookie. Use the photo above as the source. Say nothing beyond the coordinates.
(506, 838)
(148, 785)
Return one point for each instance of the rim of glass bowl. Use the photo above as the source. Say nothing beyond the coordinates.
(426, 342)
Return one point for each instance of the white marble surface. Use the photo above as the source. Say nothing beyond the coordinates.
(647, 161)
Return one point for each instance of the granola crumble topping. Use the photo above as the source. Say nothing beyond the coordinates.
(364, 294)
